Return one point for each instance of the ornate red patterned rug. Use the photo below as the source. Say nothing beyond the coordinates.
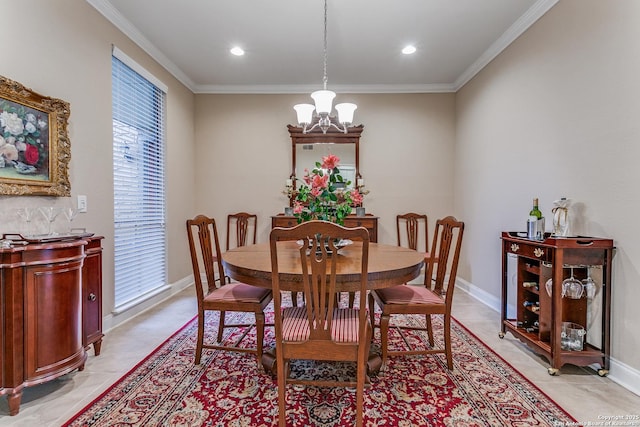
(228, 389)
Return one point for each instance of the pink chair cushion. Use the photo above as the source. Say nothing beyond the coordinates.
(407, 294)
(344, 328)
(238, 292)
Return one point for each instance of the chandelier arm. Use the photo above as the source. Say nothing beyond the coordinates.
(343, 129)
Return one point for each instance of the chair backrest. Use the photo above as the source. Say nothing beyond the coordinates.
(245, 226)
(204, 248)
(319, 258)
(442, 267)
(413, 230)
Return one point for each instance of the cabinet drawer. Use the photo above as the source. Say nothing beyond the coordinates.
(283, 221)
(359, 222)
(530, 250)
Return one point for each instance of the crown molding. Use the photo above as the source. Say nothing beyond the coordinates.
(124, 25)
(534, 13)
(295, 89)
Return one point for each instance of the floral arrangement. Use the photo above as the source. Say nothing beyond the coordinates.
(322, 195)
(23, 139)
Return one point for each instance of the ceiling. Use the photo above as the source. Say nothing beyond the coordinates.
(283, 40)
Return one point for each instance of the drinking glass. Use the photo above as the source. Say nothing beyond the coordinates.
(26, 214)
(50, 213)
(70, 213)
(589, 285)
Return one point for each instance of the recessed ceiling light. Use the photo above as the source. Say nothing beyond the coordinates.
(237, 51)
(408, 50)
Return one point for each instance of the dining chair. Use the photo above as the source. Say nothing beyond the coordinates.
(234, 297)
(320, 329)
(434, 297)
(413, 230)
(245, 226)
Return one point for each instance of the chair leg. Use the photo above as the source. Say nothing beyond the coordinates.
(282, 412)
(372, 307)
(259, 336)
(221, 326)
(429, 329)
(384, 337)
(200, 337)
(361, 375)
(447, 341)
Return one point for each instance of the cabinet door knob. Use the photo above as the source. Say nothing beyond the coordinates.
(91, 297)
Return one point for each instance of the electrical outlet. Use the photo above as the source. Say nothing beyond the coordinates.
(82, 203)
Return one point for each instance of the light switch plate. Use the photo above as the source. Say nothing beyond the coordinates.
(82, 203)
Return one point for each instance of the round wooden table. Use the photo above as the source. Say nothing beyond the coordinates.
(388, 265)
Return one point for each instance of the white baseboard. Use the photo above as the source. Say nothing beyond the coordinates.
(112, 319)
(620, 373)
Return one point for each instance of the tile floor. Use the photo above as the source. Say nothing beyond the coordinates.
(580, 391)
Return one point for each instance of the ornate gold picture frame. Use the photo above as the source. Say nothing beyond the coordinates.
(34, 146)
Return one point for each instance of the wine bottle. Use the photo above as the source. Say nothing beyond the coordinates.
(535, 211)
(533, 306)
(529, 284)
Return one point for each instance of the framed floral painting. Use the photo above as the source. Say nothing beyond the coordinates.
(34, 146)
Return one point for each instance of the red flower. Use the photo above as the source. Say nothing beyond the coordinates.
(319, 182)
(31, 155)
(356, 197)
(330, 162)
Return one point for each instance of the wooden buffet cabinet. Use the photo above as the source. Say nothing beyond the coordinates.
(50, 309)
(368, 221)
(539, 316)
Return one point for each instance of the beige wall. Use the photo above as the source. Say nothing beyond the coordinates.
(244, 155)
(556, 115)
(71, 60)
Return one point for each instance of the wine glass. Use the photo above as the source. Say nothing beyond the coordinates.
(50, 213)
(70, 213)
(572, 287)
(589, 285)
(26, 214)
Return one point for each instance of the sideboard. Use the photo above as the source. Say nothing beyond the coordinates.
(370, 222)
(50, 310)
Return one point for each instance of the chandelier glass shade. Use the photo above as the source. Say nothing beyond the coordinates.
(323, 100)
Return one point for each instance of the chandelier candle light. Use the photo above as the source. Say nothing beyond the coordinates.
(323, 100)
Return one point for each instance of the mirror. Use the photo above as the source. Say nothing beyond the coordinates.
(309, 148)
(308, 154)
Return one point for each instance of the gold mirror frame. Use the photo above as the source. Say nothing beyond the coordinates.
(52, 116)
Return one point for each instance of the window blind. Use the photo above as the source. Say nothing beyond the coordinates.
(139, 187)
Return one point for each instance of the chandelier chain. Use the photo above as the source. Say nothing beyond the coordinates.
(324, 80)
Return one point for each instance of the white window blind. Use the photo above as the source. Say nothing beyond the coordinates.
(139, 188)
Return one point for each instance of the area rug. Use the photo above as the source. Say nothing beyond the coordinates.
(229, 389)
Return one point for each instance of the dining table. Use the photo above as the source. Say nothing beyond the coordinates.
(388, 265)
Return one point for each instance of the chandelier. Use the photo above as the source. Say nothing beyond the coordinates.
(323, 100)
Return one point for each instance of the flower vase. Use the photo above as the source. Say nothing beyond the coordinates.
(360, 211)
